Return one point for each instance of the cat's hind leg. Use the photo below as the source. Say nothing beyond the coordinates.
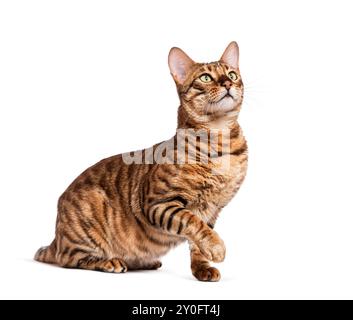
(83, 237)
(91, 262)
(81, 256)
(114, 265)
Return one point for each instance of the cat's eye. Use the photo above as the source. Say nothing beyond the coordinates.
(206, 78)
(232, 75)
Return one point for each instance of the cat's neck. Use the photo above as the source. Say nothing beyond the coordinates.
(228, 121)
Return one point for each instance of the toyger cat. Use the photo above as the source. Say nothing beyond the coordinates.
(116, 216)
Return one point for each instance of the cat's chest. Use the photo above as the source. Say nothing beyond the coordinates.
(219, 187)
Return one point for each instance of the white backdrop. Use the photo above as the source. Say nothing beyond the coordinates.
(83, 80)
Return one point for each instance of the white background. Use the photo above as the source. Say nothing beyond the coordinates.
(83, 80)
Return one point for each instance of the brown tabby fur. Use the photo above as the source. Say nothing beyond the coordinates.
(116, 217)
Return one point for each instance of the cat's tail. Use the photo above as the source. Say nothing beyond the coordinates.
(46, 254)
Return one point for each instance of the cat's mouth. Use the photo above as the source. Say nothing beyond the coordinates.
(226, 95)
(225, 103)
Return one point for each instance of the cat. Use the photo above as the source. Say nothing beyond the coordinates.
(118, 216)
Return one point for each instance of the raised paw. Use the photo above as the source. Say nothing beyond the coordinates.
(207, 274)
(114, 265)
(212, 247)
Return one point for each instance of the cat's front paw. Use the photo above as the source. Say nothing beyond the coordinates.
(213, 248)
(206, 273)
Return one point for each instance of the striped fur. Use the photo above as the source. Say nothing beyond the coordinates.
(116, 217)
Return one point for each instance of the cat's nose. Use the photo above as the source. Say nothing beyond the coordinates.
(227, 84)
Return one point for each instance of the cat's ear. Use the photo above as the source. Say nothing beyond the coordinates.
(179, 64)
(231, 55)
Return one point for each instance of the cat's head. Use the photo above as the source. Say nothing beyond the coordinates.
(207, 90)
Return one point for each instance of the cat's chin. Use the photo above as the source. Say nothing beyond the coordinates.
(223, 106)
